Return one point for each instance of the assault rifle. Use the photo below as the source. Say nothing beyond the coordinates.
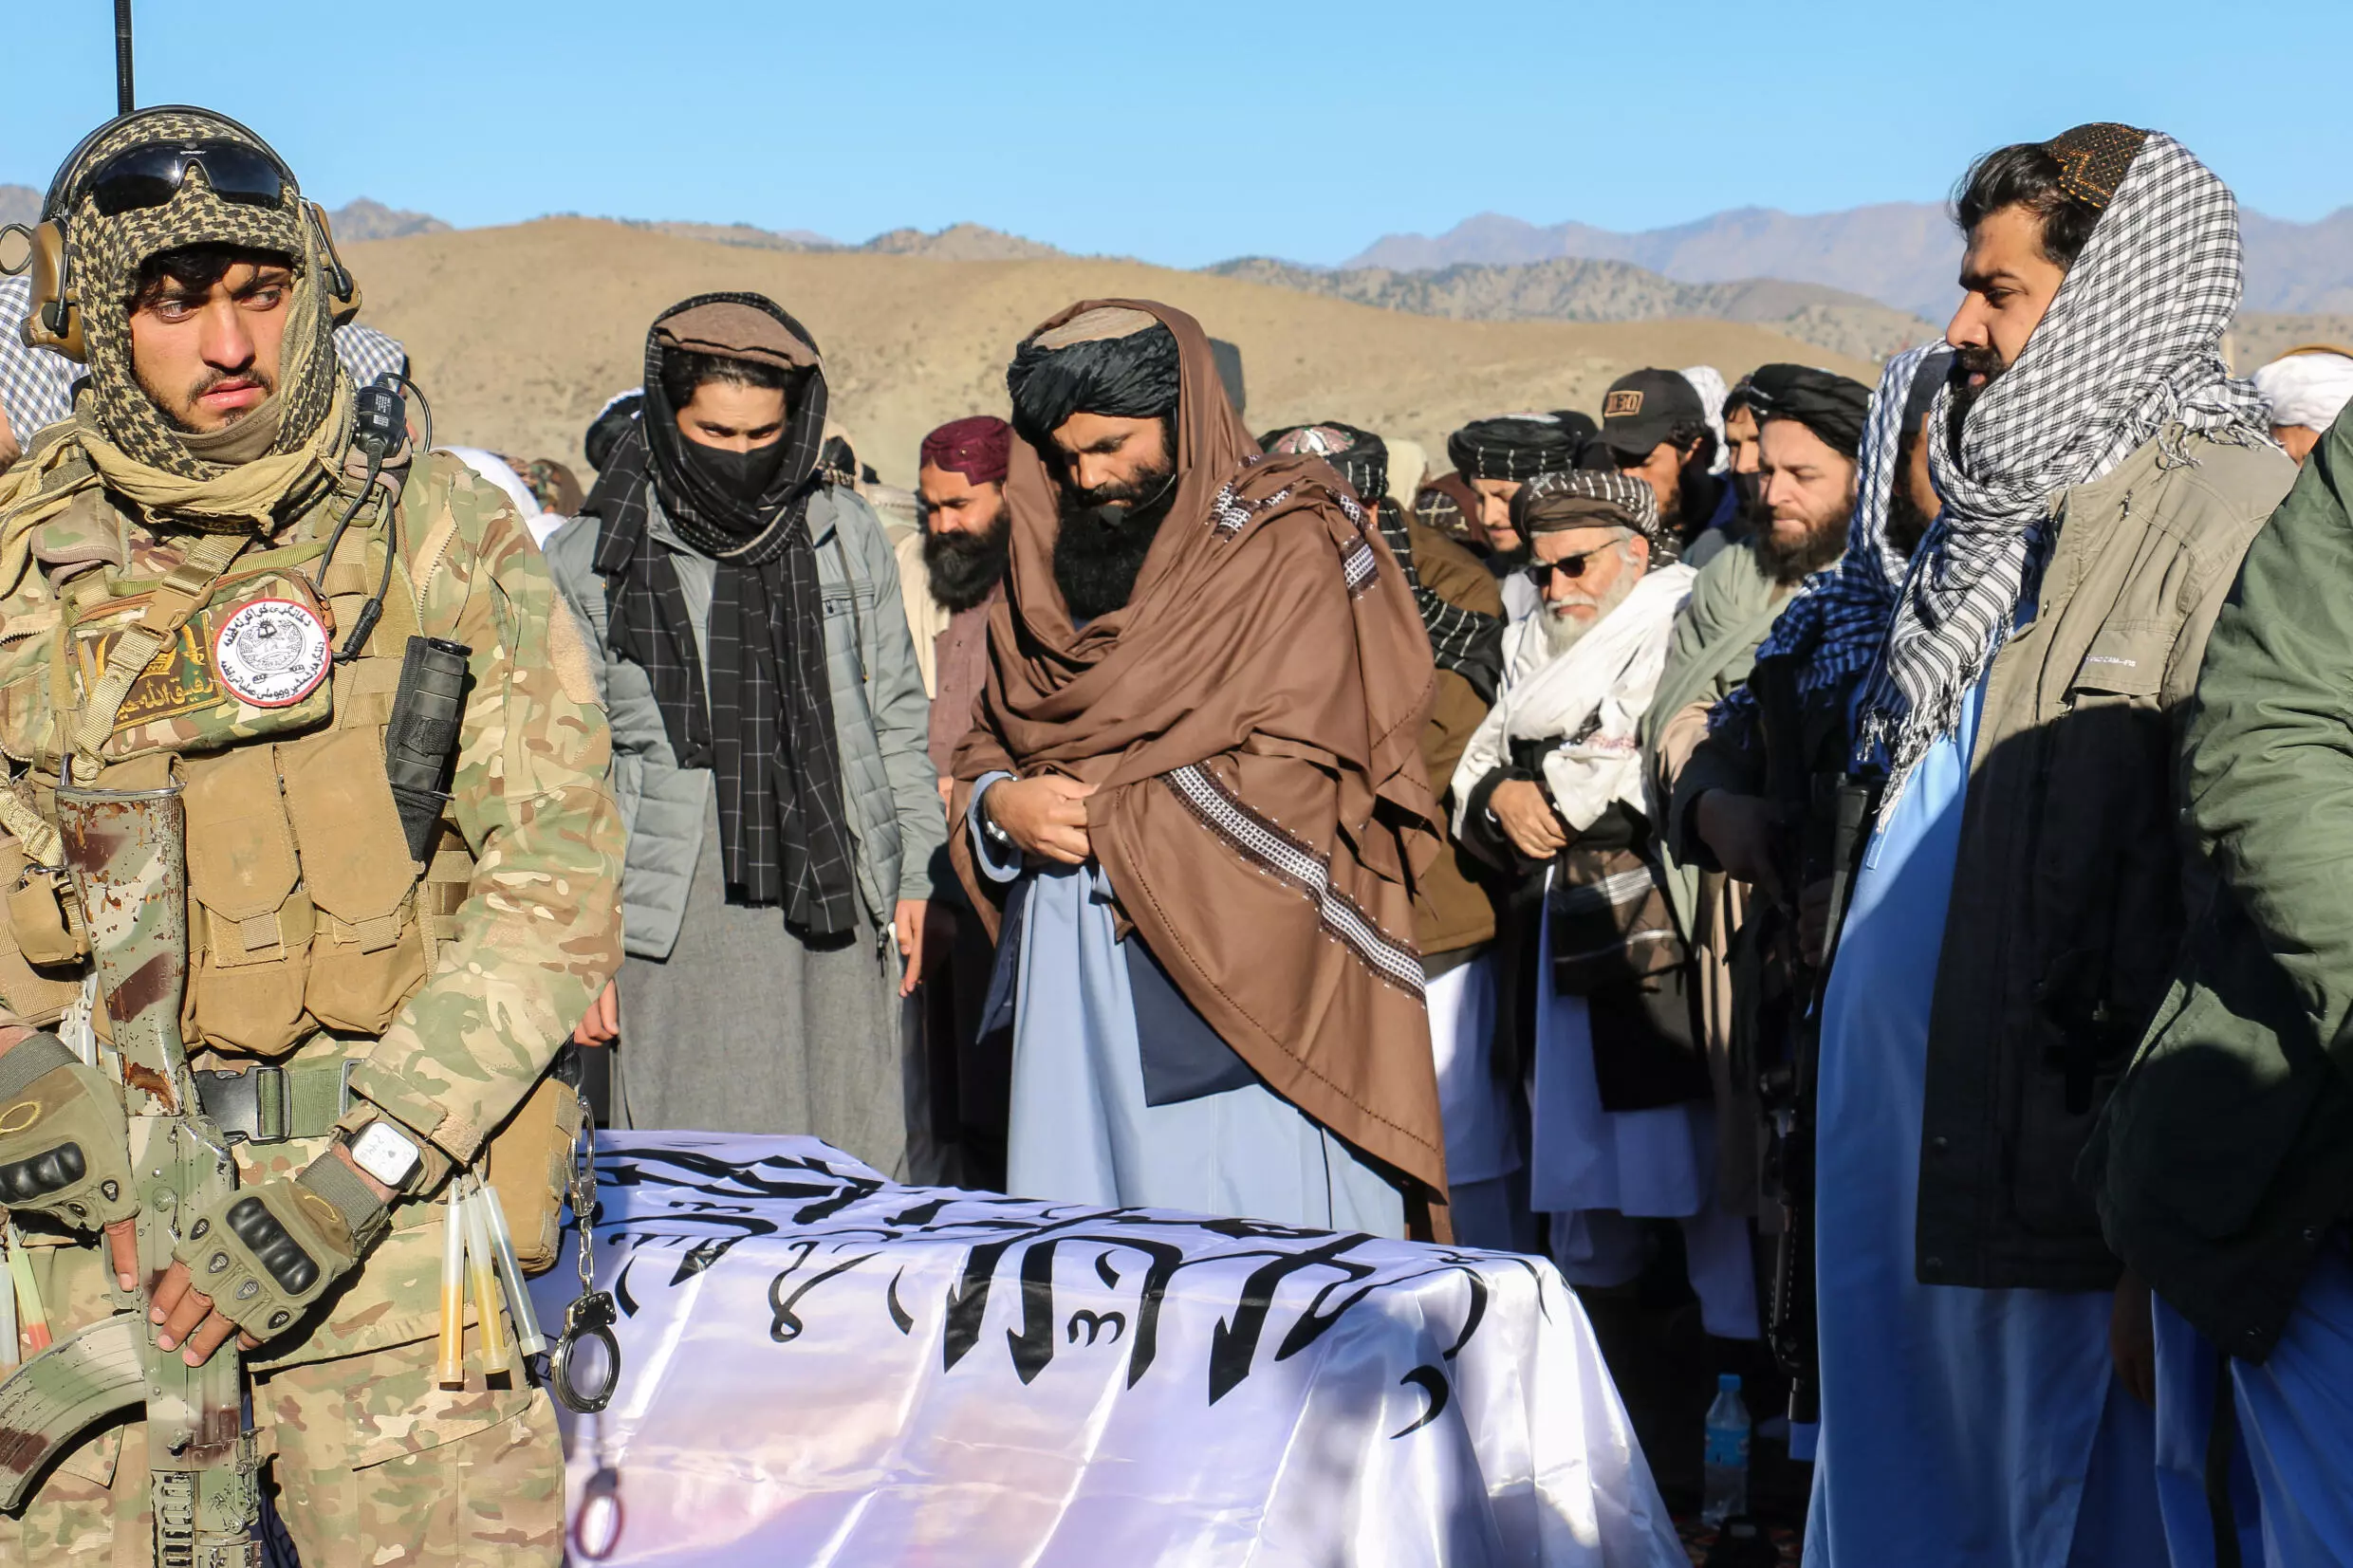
(127, 853)
(1832, 812)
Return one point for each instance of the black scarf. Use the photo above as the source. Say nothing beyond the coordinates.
(762, 721)
(1465, 641)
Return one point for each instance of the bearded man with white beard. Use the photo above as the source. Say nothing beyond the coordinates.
(1551, 790)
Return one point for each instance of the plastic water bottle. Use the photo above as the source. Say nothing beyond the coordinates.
(1723, 1490)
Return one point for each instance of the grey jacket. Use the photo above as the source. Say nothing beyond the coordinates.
(880, 720)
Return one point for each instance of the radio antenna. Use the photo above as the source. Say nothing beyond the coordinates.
(125, 102)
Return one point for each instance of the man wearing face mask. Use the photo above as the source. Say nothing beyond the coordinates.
(1741, 460)
(768, 730)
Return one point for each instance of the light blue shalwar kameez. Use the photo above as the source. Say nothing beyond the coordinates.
(1081, 1130)
(1960, 1427)
(2289, 1495)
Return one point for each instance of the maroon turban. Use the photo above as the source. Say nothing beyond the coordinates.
(975, 448)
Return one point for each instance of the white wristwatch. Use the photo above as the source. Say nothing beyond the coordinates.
(386, 1153)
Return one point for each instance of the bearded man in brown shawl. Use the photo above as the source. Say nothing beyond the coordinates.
(1195, 800)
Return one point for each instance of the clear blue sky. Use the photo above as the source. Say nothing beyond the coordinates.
(1187, 131)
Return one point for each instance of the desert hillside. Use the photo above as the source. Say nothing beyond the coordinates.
(1573, 289)
(519, 334)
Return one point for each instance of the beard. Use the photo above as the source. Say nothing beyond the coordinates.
(1789, 562)
(962, 568)
(1750, 514)
(1974, 360)
(1103, 537)
(1564, 632)
(1690, 502)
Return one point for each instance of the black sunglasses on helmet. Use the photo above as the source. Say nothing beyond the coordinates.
(149, 176)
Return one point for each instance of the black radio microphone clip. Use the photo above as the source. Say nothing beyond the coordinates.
(380, 421)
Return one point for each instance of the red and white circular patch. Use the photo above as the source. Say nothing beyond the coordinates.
(272, 652)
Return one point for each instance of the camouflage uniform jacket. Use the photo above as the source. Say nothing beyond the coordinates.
(538, 931)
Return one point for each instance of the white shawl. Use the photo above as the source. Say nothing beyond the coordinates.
(1596, 692)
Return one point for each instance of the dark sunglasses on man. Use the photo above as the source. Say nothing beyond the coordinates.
(1570, 567)
(139, 177)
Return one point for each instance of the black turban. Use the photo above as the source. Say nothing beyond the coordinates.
(1362, 457)
(611, 423)
(1833, 407)
(1514, 446)
(1091, 365)
(1582, 427)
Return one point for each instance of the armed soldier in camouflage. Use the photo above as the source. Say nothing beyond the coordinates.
(179, 605)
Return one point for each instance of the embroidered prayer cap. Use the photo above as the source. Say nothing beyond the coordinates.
(2094, 158)
(1112, 360)
(1362, 457)
(1586, 498)
(108, 251)
(977, 447)
(1514, 446)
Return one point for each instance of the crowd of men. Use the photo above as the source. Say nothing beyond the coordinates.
(1857, 857)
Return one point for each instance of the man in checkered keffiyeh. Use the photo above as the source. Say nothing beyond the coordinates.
(2129, 349)
(1986, 1366)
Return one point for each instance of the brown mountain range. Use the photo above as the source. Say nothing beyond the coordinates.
(519, 334)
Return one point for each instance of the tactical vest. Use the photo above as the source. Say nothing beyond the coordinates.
(304, 910)
(307, 921)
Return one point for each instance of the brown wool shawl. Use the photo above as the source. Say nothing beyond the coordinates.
(1250, 719)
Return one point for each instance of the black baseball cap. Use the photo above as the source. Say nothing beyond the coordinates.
(1641, 410)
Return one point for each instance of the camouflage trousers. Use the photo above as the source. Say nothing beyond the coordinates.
(371, 1463)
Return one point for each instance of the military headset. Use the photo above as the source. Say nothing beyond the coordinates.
(148, 175)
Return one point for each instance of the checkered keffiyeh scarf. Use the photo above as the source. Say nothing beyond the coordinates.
(1465, 641)
(1579, 497)
(2128, 351)
(1839, 618)
(108, 254)
(36, 386)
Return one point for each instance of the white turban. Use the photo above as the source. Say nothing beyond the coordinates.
(2306, 387)
(1709, 382)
